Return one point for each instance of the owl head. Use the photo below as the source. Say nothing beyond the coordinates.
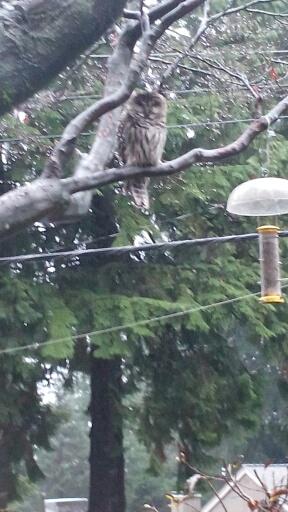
(150, 105)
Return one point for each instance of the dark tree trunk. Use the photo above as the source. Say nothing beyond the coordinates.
(107, 493)
(6, 477)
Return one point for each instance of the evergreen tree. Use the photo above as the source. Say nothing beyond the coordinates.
(192, 378)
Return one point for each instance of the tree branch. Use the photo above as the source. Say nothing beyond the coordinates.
(202, 28)
(25, 205)
(217, 65)
(155, 14)
(114, 95)
(122, 78)
(206, 22)
(269, 13)
(195, 156)
(243, 7)
(62, 29)
(22, 206)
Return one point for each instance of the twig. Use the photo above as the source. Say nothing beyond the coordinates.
(182, 66)
(204, 25)
(261, 483)
(241, 77)
(268, 13)
(199, 33)
(217, 494)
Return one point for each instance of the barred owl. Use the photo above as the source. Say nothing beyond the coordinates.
(142, 137)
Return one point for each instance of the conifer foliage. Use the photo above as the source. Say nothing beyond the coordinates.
(188, 380)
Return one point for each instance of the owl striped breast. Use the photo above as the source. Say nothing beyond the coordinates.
(145, 144)
(142, 137)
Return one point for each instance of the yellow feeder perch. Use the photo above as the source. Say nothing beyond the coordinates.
(259, 198)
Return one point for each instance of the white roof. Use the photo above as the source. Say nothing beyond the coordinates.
(274, 475)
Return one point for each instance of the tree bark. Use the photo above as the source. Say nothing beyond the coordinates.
(6, 478)
(107, 492)
(40, 38)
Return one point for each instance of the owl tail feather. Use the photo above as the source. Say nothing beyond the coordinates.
(139, 191)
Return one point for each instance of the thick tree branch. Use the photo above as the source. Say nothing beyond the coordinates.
(43, 197)
(114, 95)
(138, 63)
(23, 206)
(122, 78)
(195, 156)
(155, 14)
(38, 41)
(123, 74)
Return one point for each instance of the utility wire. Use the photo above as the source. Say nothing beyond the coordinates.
(175, 54)
(81, 95)
(89, 241)
(130, 325)
(133, 248)
(35, 138)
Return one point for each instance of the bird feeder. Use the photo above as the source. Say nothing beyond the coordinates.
(264, 197)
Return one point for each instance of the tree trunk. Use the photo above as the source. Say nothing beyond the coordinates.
(107, 493)
(6, 477)
(39, 38)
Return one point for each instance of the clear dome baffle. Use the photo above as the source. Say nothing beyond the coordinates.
(259, 197)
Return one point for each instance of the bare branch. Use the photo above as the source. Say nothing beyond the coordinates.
(116, 91)
(282, 62)
(118, 62)
(217, 494)
(181, 66)
(234, 485)
(269, 13)
(148, 42)
(71, 28)
(202, 28)
(264, 487)
(197, 155)
(21, 207)
(204, 25)
(240, 8)
(156, 13)
(217, 65)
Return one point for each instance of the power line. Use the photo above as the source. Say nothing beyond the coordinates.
(175, 54)
(130, 325)
(215, 123)
(90, 241)
(81, 95)
(133, 248)
(50, 136)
